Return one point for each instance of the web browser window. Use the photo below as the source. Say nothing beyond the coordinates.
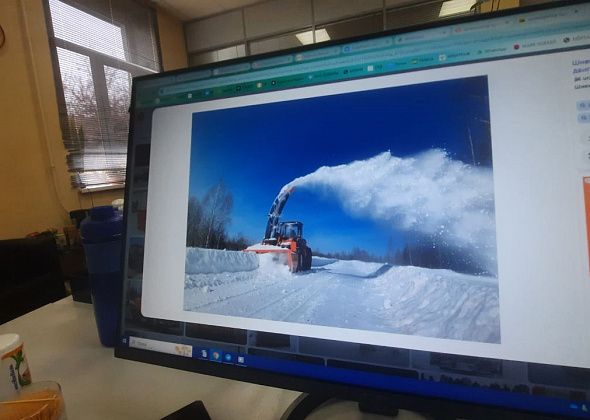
(419, 201)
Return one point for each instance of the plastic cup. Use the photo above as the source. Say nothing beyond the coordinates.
(38, 401)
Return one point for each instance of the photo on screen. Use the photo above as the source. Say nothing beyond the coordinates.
(369, 210)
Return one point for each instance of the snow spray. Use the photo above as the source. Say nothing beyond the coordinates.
(429, 193)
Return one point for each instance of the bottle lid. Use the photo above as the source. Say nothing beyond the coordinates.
(8, 342)
(103, 224)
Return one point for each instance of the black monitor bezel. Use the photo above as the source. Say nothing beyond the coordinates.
(438, 407)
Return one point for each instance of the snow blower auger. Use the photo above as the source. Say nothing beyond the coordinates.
(284, 240)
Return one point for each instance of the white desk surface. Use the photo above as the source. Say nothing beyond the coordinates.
(61, 344)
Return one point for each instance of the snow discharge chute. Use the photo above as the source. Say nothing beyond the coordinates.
(428, 193)
(274, 215)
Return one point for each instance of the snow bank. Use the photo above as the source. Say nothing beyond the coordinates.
(321, 261)
(354, 267)
(439, 303)
(235, 291)
(429, 193)
(205, 261)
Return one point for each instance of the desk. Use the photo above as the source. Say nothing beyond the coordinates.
(62, 345)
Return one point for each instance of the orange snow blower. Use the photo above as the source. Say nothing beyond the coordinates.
(284, 240)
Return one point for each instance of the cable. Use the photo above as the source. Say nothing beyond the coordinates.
(2, 37)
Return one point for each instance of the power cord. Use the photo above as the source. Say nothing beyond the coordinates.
(2, 37)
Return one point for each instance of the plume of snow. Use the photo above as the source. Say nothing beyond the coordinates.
(429, 193)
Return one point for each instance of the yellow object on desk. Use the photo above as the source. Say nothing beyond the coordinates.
(40, 401)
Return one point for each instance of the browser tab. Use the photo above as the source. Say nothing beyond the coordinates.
(312, 55)
(422, 36)
(195, 75)
(236, 68)
(367, 45)
(271, 62)
(487, 26)
(156, 82)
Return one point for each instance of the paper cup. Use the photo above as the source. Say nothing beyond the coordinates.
(14, 369)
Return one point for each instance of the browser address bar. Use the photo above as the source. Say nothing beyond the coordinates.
(367, 58)
(301, 68)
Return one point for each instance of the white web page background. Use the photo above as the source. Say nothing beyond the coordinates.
(542, 252)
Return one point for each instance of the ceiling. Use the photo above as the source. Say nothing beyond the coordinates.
(194, 9)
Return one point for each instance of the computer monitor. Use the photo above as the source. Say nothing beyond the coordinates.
(405, 215)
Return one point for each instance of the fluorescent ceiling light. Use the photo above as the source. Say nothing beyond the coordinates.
(454, 7)
(321, 35)
(306, 37)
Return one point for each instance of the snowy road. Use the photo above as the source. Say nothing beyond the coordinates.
(355, 294)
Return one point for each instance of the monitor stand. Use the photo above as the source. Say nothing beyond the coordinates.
(302, 407)
(194, 411)
(305, 404)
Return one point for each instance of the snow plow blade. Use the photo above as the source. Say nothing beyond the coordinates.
(282, 255)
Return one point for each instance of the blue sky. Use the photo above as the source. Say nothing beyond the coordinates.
(256, 150)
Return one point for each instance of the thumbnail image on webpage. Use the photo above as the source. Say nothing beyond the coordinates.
(370, 210)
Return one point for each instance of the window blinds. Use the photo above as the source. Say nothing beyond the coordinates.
(99, 46)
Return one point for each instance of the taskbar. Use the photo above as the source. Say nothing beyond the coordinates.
(378, 381)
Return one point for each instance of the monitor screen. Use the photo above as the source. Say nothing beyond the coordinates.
(404, 213)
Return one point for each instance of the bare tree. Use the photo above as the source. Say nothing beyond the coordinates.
(87, 127)
(217, 205)
(208, 219)
(194, 226)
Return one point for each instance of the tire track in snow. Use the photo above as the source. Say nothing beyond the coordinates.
(312, 302)
(237, 295)
(308, 290)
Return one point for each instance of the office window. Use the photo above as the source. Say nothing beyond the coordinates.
(354, 27)
(413, 15)
(429, 12)
(282, 42)
(99, 46)
(342, 29)
(207, 57)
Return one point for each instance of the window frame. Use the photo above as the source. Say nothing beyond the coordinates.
(97, 61)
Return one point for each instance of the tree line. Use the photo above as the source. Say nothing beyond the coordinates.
(209, 218)
(421, 252)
